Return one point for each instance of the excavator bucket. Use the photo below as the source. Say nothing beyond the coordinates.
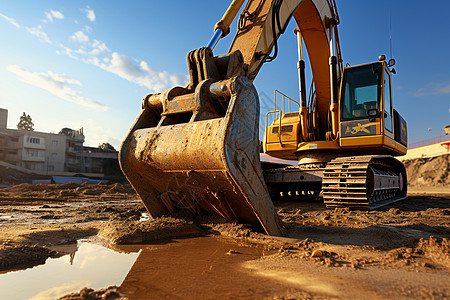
(198, 151)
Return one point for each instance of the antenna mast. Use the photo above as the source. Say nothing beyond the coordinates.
(390, 35)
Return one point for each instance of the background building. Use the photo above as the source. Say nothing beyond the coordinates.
(74, 140)
(97, 161)
(50, 153)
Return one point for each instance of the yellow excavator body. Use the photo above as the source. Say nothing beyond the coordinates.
(359, 133)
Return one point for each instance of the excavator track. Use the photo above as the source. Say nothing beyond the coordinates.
(363, 182)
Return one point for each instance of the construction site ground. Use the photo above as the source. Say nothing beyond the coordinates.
(400, 251)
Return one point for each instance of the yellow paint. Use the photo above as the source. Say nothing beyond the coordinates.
(318, 145)
(361, 141)
(229, 15)
(374, 143)
(360, 128)
(284, 151)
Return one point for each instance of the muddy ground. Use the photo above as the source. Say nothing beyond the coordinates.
(398, 251)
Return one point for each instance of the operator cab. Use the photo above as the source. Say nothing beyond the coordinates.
(360, 92)
(366, 110)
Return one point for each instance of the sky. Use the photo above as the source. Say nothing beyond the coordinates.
(88, 64)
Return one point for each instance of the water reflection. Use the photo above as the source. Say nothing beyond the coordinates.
(85, 265)
(145, 216)
(67, 249)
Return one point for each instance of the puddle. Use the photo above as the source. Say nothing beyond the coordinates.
(180, 268)
(84, 264)
(208, 267)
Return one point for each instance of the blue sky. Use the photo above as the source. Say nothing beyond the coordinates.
(89, 63)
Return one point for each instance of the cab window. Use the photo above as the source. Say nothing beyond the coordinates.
(360, 91)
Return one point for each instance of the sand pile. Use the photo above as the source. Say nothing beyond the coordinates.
(10, 176)
(432, 172)
(129, 231)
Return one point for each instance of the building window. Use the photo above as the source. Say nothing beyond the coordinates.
(33, 153)
(33, 140)
(30, 166)
(51, 168)
(54, 155)
(55, 143)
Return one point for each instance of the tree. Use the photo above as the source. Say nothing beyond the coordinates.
(66, 131)
(25, 123)
(106, 147)
(111, 167)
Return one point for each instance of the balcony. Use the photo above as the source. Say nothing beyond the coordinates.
(31, 158)
(33, 145)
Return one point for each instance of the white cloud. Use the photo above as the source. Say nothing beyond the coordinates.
(98, 48)
(419, 93)
(98, 54)
(141, 73)
(55, 292)
(443, 89)
(87, 29)
(10, 20)
(41, 34)
(57, 84)
(433, 88)
(96, 135)
(80, 36)
(53, 14)
(90, 14)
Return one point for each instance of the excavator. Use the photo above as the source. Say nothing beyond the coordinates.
(197, 148)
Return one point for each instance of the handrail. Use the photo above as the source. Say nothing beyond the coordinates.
(279, 128)
(284, 96)
(281, 111)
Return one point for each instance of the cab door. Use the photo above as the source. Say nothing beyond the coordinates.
(387, 104)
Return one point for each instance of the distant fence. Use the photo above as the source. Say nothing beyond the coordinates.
(434, 140)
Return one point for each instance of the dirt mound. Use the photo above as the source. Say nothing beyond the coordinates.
(432, 172)
(120, 188)
(436, 249)
(22, 256)
(431, 253)
(136, 232)
(219, 226)
(63, 192)
(10, 176)
(86, 293)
